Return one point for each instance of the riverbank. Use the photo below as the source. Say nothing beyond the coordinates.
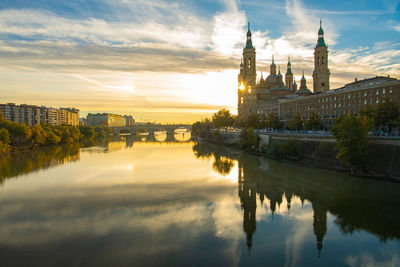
(314, 152)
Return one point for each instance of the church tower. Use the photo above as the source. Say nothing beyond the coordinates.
(249, 57)
(321, 71)
(247, 79)
(289, 75)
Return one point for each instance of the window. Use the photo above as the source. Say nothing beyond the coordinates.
(249, 63)
(377, 92)
(383, 91)
(348, 96)
(317, 60)
(323, 60)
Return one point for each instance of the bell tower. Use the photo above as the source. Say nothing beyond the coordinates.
(321, 71)
(289, 75)
(249, 58)
(247, 79)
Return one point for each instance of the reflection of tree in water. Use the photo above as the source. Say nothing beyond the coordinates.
(18, 163)
(358, 204)
(223, 165)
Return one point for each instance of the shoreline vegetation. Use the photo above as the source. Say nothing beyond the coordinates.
(17, 137)
(352, 151)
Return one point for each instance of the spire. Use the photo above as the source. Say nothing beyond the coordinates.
(321, 40)
(289, 67)
(302, 78)
(249, 42)
(273, 63)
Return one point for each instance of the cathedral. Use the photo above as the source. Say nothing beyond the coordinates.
(263, 96)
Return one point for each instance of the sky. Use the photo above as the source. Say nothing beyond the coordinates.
(177, 61)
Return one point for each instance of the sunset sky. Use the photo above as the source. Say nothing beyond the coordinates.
(177, 61)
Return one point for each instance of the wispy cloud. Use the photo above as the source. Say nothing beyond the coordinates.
(168, 52)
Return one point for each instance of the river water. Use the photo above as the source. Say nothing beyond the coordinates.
(140, 203)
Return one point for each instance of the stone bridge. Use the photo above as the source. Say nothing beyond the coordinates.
(151, 128)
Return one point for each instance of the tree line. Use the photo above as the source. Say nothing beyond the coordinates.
(351, 132)
(13, 134)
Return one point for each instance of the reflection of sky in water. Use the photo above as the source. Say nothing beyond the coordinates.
(155, 203)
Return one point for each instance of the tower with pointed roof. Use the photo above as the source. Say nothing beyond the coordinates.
(247, 79)
(321, 71)
(249, 58)
(289, 75)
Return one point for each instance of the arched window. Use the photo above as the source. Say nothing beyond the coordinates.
(323, 60)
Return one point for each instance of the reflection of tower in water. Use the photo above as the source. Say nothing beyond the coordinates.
(319, 223)
(248, 201)
(275, 192)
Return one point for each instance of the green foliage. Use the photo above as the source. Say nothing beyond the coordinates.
(313, 123)
(4, 139)
(202, 128)
(253, 120)
(103, 132)
(352, 138)
(386, 114)
(19, 133)
(249, 138)
(39, 135)
(87, 132)
(296, 123)
(217, 135)
(273, 121)
(223, 118)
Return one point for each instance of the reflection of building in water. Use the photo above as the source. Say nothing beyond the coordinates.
(357, 204)
(249, 206)
(319, 223)
(274, 190)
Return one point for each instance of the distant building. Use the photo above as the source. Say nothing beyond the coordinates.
(105, 119)
(130, 121)
(32, 115)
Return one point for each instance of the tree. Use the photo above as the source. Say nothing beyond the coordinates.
(273, 121)
(87, 132)
(253, 120)
(367, 114)
(313, 123)
(250, 138)
(4, 139)
(223, 118)
(296, 123)
(386, 114)
(19, 133)
(202, 128)
(39, 135)
(352, 138)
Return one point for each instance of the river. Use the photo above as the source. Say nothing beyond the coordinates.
(178, 203)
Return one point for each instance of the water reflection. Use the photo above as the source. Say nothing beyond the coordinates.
(128, 202)
(19, 163)
(357, 204)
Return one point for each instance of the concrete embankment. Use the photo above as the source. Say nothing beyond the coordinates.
(321, 150)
